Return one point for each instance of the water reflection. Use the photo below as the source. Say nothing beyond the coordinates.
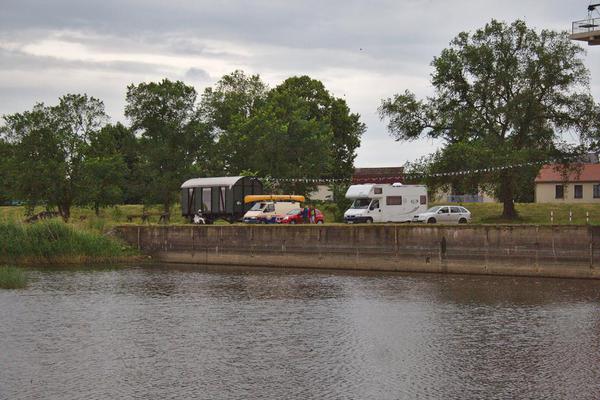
(223, 332)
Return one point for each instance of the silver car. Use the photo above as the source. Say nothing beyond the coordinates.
(444, 215)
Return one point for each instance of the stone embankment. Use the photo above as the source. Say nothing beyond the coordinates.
(549, 251)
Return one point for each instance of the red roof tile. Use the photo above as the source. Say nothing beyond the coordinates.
(553, 173)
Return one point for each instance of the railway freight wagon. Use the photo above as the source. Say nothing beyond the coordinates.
(218, 198)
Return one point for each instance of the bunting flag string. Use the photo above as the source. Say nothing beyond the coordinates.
(414, 175)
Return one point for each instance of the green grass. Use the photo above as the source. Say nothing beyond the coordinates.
(12, 278)
(53, 240)
(84, 220)
(533, 213)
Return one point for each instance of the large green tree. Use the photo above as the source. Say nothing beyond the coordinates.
(295, 130)
(174, 143)
(504, 95)
(50, 145)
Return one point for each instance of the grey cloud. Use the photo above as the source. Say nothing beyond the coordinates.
(389, 43)
(197, 74)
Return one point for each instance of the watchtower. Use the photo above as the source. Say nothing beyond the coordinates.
(588, 30)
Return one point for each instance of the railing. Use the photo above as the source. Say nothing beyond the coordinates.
(465, 198)
(586, 25)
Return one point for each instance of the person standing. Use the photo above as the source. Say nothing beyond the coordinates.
(313, 215)
(305, 212)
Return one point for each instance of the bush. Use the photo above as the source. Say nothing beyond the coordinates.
(54, 239)
(12, 278)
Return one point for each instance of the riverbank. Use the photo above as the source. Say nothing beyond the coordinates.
(12, 277)
(523, 250)
(53, 242)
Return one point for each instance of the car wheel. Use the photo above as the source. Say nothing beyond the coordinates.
(293, 222)
(369, 220)
(431, 221)
(462, 221)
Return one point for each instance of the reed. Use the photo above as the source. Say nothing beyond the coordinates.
(12, 278)
(54, 240)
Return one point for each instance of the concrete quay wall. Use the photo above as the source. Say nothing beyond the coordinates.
(549, 251)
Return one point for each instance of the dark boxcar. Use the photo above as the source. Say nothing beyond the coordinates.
(219, 197)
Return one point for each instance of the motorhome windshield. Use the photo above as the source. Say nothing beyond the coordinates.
(258, 206)
(361, 203)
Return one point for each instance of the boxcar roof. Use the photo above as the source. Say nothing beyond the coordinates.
(211, 182)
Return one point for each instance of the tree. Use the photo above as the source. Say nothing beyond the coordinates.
(226, 109)
(503, 96)
(50, 144)
(6, 175)
(295, 130)
(173, 141)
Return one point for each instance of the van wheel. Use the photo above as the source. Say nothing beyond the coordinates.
(431, 221)
(462, 221)
(369, 220)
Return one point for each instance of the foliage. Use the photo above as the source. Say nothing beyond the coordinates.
(503, 96)
(50, 143)
(12, 277)
(295, 130)
(174, 144)
(51, 239)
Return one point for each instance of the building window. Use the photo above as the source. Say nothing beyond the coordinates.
(597, 191)
(378, 190)
(578, 192)
(393, 200)
(559, 192)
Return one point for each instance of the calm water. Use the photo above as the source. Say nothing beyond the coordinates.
(210, 333)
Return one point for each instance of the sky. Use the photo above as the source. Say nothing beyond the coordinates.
(363, 51)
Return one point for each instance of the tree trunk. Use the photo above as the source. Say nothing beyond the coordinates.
(64, 211)
(97, 209)
(507, 196)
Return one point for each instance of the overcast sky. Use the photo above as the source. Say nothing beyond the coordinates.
(363, 51)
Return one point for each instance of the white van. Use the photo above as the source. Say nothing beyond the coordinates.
(385, 203)
(267, 207)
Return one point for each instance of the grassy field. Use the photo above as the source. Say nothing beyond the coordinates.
(483, 213)
(12, 278)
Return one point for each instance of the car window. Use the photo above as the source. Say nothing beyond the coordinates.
(295, 211)
(443, 210)
(455, 210)
(464, 210)
(269, 208)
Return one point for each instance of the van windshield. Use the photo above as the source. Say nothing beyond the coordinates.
(361, 203)
(258, 206)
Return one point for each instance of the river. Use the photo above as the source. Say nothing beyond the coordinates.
(161, 332)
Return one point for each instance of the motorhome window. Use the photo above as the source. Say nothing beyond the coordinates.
(269, 208)
(258, 206)
(378, 190)
(423, 200)
(374, 204)
(361, 203)
(433, 209)
(393, 200)
(455, 210)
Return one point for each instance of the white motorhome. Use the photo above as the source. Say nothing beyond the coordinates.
(385, 202)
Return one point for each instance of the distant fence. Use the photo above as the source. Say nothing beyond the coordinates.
(465, 198)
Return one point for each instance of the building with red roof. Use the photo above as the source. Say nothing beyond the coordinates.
(579, 183)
